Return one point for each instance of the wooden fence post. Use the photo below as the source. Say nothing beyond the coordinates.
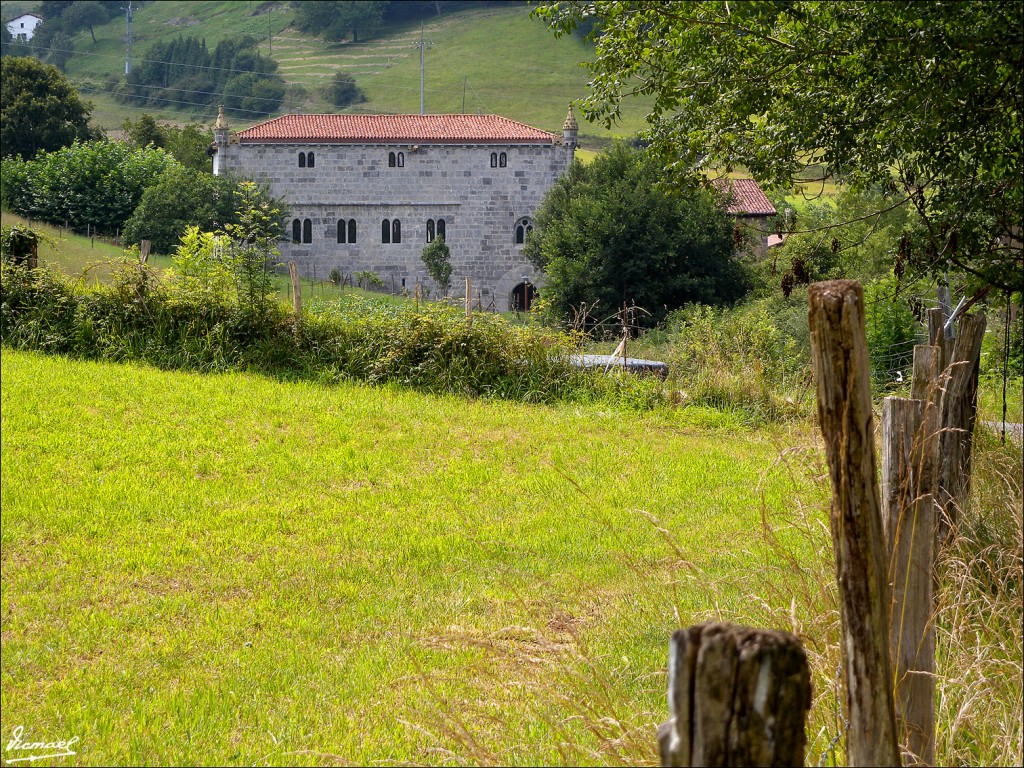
(469, 301)
(840, 357)
(293, 272)
(958, 412)
(909, 471)
(737, 696)
(144, 248)
(937, 337)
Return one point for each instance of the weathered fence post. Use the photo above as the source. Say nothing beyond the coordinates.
(840, 358)
(737, 696)
(144, 248)
(293, 272)
(909, 471)
(469, 301)
(958, 411)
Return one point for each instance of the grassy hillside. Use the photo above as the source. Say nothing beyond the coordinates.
(492, 60)
(226, 569)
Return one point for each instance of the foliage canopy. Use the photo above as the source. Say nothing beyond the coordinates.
(924, 99)
(39, 109)
(607, 233)
(96, 183)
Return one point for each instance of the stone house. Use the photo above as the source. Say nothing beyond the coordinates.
(752, 210)
(368, 192)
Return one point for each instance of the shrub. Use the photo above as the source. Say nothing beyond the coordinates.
(97, 183)
(166, 322)
(343, 90)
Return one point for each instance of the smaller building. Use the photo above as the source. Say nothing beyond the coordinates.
(24, 26)
(751, 208)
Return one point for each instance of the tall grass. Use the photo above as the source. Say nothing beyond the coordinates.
(144, 317)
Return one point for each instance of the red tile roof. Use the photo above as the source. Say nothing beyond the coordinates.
(374, 129)
(746, 198)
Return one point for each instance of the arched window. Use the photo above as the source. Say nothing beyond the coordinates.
(494, 159)
(396, 231)
(385, 231)
(302, 159)
(401, 159)
(391, 160)
(342, 230)
(430, 230)
(307, 231)
(502, 160)
(351, 230)
(440, 228)
(523, 227)
(296, 231)
(309, 160)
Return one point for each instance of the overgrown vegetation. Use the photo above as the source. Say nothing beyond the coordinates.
(236, 324)
(607, 234)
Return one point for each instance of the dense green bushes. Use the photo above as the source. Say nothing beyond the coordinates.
(165, 322)
(95, 184)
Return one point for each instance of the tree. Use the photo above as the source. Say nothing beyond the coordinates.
(94, 184)
(181, 198)
(39, 109)
(61, 50)
(606, 233)
(437, 257)
(86, 14)
(343, 90)
(334, 20)
(923, 99)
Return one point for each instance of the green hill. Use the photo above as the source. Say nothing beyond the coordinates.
(488, 60)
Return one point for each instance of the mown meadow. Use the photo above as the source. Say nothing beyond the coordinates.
(226, 568)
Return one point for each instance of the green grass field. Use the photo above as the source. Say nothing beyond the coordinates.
(533, 79)
(226, 569)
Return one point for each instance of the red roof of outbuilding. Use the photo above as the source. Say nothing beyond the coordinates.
(373, 129)
(746, 198)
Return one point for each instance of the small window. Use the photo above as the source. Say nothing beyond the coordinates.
(502, 160)
(430, 230)
(494, 159)
(342, 230)
(296, 231)
(440, 228)
(302, 159)
(307, 231)
(309, 160)
(396, 231)
(523, 227)
(385, 231)
(391, 160)
(401, 159)
(351, 230)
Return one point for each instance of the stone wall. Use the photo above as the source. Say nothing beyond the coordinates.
(481, 205)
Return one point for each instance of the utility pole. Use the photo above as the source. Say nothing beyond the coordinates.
(422, 44)
(128, 40)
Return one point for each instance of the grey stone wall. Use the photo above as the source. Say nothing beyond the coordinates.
(480, 206)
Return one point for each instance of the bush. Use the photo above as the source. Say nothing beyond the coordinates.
(343, 90)
(97, 183)
(171, 324)
(742, 359)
